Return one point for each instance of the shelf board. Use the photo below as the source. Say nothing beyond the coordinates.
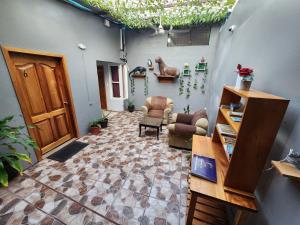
(252, 93)
(287, 169)
(204, 146)
(166, 79)
(223, 143)
(235, 125)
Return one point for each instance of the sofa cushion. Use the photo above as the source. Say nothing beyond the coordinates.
(156, 113)
(158, 102)
(184, 118)
(198, 115)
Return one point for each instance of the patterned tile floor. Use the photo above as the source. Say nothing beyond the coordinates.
(119, 178)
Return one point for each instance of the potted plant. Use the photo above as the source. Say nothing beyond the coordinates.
(130, 105)
(103, 121)
(245, 77)
(10, 165)
(94, 127)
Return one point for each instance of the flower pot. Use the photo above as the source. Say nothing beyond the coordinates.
(245, 85)
(131, 108)
(104, 123)
(242, 84)
(95, 130)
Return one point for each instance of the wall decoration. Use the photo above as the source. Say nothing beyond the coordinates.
(186, 70)
(138, 72)
(245, 78)
(201, 66)
(166, 73)
(150, 65)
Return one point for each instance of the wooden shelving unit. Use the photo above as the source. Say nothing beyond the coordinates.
(262, 116)
(237, 176)
(287, 169)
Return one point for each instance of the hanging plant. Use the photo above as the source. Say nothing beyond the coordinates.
(146, 85)
(188, 90)
(144, 13)
(195, 86)
(181, 85)
(204, 79)
(132, 85)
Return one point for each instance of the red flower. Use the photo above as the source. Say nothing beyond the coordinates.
(243, 72)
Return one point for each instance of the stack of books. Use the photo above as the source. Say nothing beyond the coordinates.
(226, 130)
(236, 116)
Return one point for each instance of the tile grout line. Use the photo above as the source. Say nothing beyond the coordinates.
(74, 201)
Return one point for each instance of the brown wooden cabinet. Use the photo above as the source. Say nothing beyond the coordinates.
(262, 116)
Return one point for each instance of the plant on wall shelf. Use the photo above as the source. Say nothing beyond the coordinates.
(187, 109)
(10, 136)
(146, 89)
(186, 70)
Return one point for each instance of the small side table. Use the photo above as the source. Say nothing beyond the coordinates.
(151, 122)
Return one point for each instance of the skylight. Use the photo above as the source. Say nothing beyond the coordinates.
(178, 13)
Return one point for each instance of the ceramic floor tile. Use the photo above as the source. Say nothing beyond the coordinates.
(128, 207)
(162, 212)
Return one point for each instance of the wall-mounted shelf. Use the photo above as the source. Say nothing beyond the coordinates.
(166, 79)
(287, 169)
(142, 76)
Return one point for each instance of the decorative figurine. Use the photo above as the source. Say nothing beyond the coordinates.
(166, 70)
(150, 65)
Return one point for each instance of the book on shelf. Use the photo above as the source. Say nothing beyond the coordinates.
(236, 118)
(236, 114)
(204, 167)
(226, 130)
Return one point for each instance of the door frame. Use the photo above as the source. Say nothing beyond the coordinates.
(102, 98)
(6, 50)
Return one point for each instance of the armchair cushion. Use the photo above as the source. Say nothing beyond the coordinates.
(184, 118)
(158, 103)
(156, 113)
(198, 115)
(182, 129)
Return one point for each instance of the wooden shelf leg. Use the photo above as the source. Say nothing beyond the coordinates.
(192, 206)
(240, 217)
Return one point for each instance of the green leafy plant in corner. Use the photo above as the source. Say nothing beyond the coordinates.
(94, 123)
(103, 117)
(10, 137)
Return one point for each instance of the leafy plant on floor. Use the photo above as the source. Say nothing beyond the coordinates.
(10, 137)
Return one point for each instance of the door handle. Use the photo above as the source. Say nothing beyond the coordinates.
(66, 103)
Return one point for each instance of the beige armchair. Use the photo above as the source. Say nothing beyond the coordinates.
(159, 107)
(184, 126)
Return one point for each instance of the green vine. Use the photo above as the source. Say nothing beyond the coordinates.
(187, 109)
(132, 85)
(181, 85)
(195, 86)
(146, 89)
(188, 89)
(145, 13)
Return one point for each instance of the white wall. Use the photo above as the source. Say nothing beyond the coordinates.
(266, 39)
(55, 26)
(141, 47)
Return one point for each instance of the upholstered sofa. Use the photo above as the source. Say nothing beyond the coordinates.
(158, 107)
(184, 126)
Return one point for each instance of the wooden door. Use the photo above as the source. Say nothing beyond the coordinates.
(41, 84)
(102, 90)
